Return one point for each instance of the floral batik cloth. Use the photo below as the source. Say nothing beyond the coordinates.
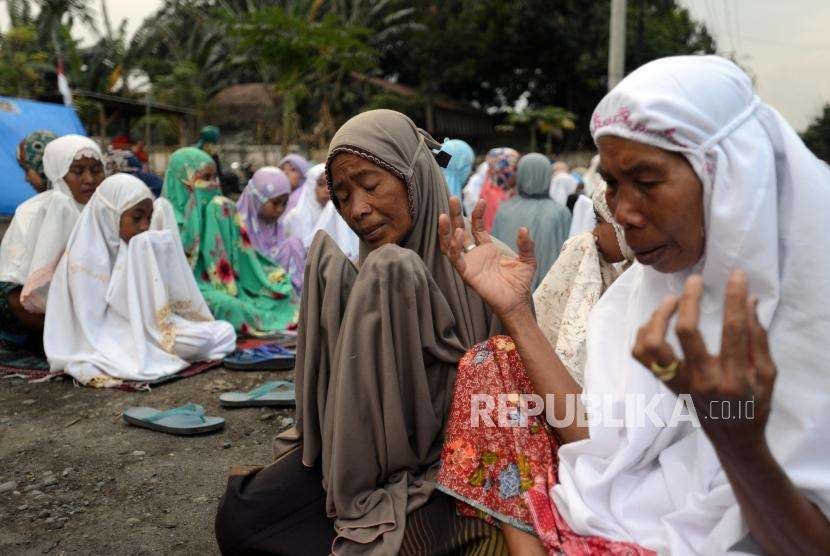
(499, 461)
(239, 284)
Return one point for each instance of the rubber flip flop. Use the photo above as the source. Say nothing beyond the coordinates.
(278, 393)
(185, 420)
(267, 357)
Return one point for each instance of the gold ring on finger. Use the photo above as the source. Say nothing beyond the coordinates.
(468, 248)
(667, 372)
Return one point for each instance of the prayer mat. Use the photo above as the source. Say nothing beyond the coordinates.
(17, 362)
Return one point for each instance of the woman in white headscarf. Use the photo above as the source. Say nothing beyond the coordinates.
(587, 266)
(719, 199)
(37, 235)
(123, 304)
(315, 211)
(333, 224)
(300, 220)
(562, 183)
(472, 191)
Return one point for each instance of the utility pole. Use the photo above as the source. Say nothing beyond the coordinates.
(147, 130)
(616, 43)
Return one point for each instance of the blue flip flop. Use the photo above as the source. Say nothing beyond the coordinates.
(270, 357)
(185, 420)
(278, 393)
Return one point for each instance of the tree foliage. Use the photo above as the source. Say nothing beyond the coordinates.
(817, 135)
(491, 53)
(303, 56)
(488, 53)
(22, 62)
(550, 121)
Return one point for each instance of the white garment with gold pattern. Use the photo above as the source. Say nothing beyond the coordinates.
(120, 311)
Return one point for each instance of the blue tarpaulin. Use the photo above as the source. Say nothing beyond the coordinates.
(18, 118)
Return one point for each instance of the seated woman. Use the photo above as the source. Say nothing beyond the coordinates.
(295, 167)
(30, 158)
(705, 179)
(123, 304)
(315, 211)
(332, 223)
(562, 183)
(126, 161)
(376, 358)
(37, 235)
(262, 205)
(240, 285)
(587, 266)
(547, 221)
(472, 191)
(300, 220)
(460, 165)
(500, 183)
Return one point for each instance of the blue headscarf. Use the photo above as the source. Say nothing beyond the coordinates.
(460, 166)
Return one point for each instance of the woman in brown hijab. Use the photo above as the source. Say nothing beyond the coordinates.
(378, 346)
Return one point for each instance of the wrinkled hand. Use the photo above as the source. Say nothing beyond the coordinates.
(503, 282)
(731, 391)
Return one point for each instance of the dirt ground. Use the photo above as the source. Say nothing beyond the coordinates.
(76, 479)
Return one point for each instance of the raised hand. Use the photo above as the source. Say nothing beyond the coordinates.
(503, 282)
(731, 391)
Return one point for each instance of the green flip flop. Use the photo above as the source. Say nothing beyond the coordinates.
(185, 420)
(277, 393)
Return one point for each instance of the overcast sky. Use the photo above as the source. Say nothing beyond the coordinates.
(785, 43)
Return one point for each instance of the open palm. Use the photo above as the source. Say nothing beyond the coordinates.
(502, 281)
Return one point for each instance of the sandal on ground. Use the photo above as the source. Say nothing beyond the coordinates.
(267, 357)
(185, 420)
(278, 393)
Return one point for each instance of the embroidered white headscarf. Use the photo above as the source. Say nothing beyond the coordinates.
(120, 311)
(766, 201)
(37, 235)
(59, 156)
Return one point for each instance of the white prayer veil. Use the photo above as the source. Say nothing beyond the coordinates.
(120, 311)
(766, 200)
(37, 236)
(59, 156)
(300, 220)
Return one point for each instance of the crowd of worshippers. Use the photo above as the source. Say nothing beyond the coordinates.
(689, 264)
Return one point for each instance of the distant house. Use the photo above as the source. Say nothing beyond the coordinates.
(441, 116)
(117, 115)
(247, 112)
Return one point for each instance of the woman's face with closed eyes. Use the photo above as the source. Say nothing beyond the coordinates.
(373, 201)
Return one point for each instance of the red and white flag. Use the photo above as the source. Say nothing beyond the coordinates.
(63, 85)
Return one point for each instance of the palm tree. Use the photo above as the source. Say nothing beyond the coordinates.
(548, 120)
(55, 20)
(305, 53)
(19, 12)
(190, 35)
